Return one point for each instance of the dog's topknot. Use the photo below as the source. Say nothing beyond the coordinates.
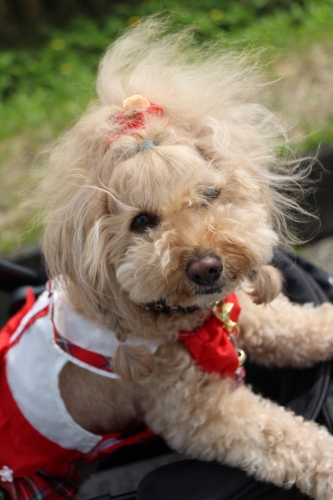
(190, 80)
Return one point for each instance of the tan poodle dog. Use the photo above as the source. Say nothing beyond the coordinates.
(159, 207)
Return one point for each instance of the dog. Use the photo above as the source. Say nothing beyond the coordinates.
(163, 207)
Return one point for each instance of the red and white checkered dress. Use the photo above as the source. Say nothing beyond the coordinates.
(39, 439)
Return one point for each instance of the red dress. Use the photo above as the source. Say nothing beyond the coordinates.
(39, 439)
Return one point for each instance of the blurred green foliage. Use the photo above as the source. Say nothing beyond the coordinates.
(47, 83)
(50, 82)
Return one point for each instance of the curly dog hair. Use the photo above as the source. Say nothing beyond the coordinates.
(148, 224)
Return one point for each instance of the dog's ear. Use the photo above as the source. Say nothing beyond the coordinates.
(266, 284)
(133, 363)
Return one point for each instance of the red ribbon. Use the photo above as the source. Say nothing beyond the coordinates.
(211, 346)
(135, 120)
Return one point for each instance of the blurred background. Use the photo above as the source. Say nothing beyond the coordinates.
(49, 52)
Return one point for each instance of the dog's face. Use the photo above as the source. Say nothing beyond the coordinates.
(186, 230)
(178, 225)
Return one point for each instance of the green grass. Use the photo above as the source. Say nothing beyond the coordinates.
(49, 84)
(45, 87)
(52, 82)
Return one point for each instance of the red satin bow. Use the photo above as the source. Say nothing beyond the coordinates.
(211, 346)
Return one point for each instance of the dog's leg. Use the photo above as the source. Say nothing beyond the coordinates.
(201, 415)
(285, 334)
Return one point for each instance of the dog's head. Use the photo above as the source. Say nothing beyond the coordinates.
(190, 223)
(171, 210)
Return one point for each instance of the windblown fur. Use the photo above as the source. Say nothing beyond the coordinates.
(211, 184)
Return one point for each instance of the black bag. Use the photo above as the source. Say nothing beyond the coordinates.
(307, 392)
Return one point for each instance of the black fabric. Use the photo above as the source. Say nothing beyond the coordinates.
(195, 480)
(308, 392)
(303, 391)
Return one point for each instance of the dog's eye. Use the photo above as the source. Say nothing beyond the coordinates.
(212, 194)
(143, 221)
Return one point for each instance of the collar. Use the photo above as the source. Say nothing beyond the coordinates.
(213, 345)
(160, 307)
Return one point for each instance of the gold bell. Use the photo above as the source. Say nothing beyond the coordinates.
(241, 357)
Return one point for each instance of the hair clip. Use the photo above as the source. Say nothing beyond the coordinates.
(135, 103)
(136, 109)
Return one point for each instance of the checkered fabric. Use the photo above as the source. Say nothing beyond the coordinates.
(42, 485)
(89, 357)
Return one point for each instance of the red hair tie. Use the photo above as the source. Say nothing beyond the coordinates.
(136, 109)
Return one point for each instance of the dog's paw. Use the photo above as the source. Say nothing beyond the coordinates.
(324, 487)
(323, 473)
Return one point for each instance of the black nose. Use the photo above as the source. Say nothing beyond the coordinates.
(206, 270)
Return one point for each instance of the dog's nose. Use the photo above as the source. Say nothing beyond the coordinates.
(205, 271)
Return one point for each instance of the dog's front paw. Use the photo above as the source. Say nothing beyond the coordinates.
(286, 334)
(323, 487)
(316, 479)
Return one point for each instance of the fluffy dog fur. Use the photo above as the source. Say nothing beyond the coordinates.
(214, 135)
